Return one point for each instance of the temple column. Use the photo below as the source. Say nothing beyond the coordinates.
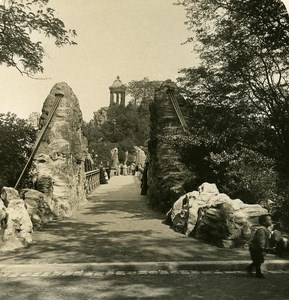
(111, 98)
(117, 98)
(122, 99)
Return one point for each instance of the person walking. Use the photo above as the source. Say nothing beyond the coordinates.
(108, 170)
(259, 245)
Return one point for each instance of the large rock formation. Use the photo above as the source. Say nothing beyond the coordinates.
(16, 226)
(58, 166)
(38, 209)
(168, 176)
(115, 160)
(212, 216)
(140, 157)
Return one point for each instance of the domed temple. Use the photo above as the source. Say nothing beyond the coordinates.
(118, 89)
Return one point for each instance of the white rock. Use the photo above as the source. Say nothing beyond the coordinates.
(208, 188)
(18, 232)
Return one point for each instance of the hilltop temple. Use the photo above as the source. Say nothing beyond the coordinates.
(117, 89)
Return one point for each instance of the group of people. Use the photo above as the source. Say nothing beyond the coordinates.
(122, 169)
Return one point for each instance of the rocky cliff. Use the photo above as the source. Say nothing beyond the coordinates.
(58, 166)
(167, 175)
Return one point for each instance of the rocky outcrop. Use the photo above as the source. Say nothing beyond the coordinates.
(8, 194)
(213, 217)
(167, 175)
(58, 166)
(16, 226)
(140, 157)
(115, 160)
(38, 209)
(3, 215)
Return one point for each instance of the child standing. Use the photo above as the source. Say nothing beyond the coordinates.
(259, 244)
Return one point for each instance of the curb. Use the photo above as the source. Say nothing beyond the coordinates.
(176, 266)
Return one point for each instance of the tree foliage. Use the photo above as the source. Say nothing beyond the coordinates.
(243, 46)
(238, 96)
(16, 140)
(21, 22)
(142, 91)
(125, 127)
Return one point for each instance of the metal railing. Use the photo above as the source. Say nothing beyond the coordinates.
(92, 180)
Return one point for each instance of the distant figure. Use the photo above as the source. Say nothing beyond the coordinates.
(259, 244)
(108, 169)
(124, 168)
(132, 169)
(102, 175)
(136, 172)
(121, 169)
(144, 179)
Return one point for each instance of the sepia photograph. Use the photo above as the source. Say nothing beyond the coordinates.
(144, 149)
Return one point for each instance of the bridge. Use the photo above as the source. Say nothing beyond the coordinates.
(111, 228)
(115, 246)
(115, 230)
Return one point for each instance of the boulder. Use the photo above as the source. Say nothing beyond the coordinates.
(38, 209)
(8, 194)
(18, 231)
(214, 217)
(3, 215)
(208, 188)
(226, 226)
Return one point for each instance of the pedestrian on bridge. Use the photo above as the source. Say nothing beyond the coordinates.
(108, 169)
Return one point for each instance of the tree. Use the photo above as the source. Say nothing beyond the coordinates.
(142, 91)
(16, 140)
(243, 46)
(238, 97)
(125, 127)
(20, 23)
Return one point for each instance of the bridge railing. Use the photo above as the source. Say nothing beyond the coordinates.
(92, 180)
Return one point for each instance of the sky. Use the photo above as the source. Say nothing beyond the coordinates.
(130, 38)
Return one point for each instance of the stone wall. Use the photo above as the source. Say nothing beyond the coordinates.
(58, 166)
(167, 175)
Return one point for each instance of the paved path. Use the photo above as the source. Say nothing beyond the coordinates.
(173, 287)
(116, 247)
(116, 230)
